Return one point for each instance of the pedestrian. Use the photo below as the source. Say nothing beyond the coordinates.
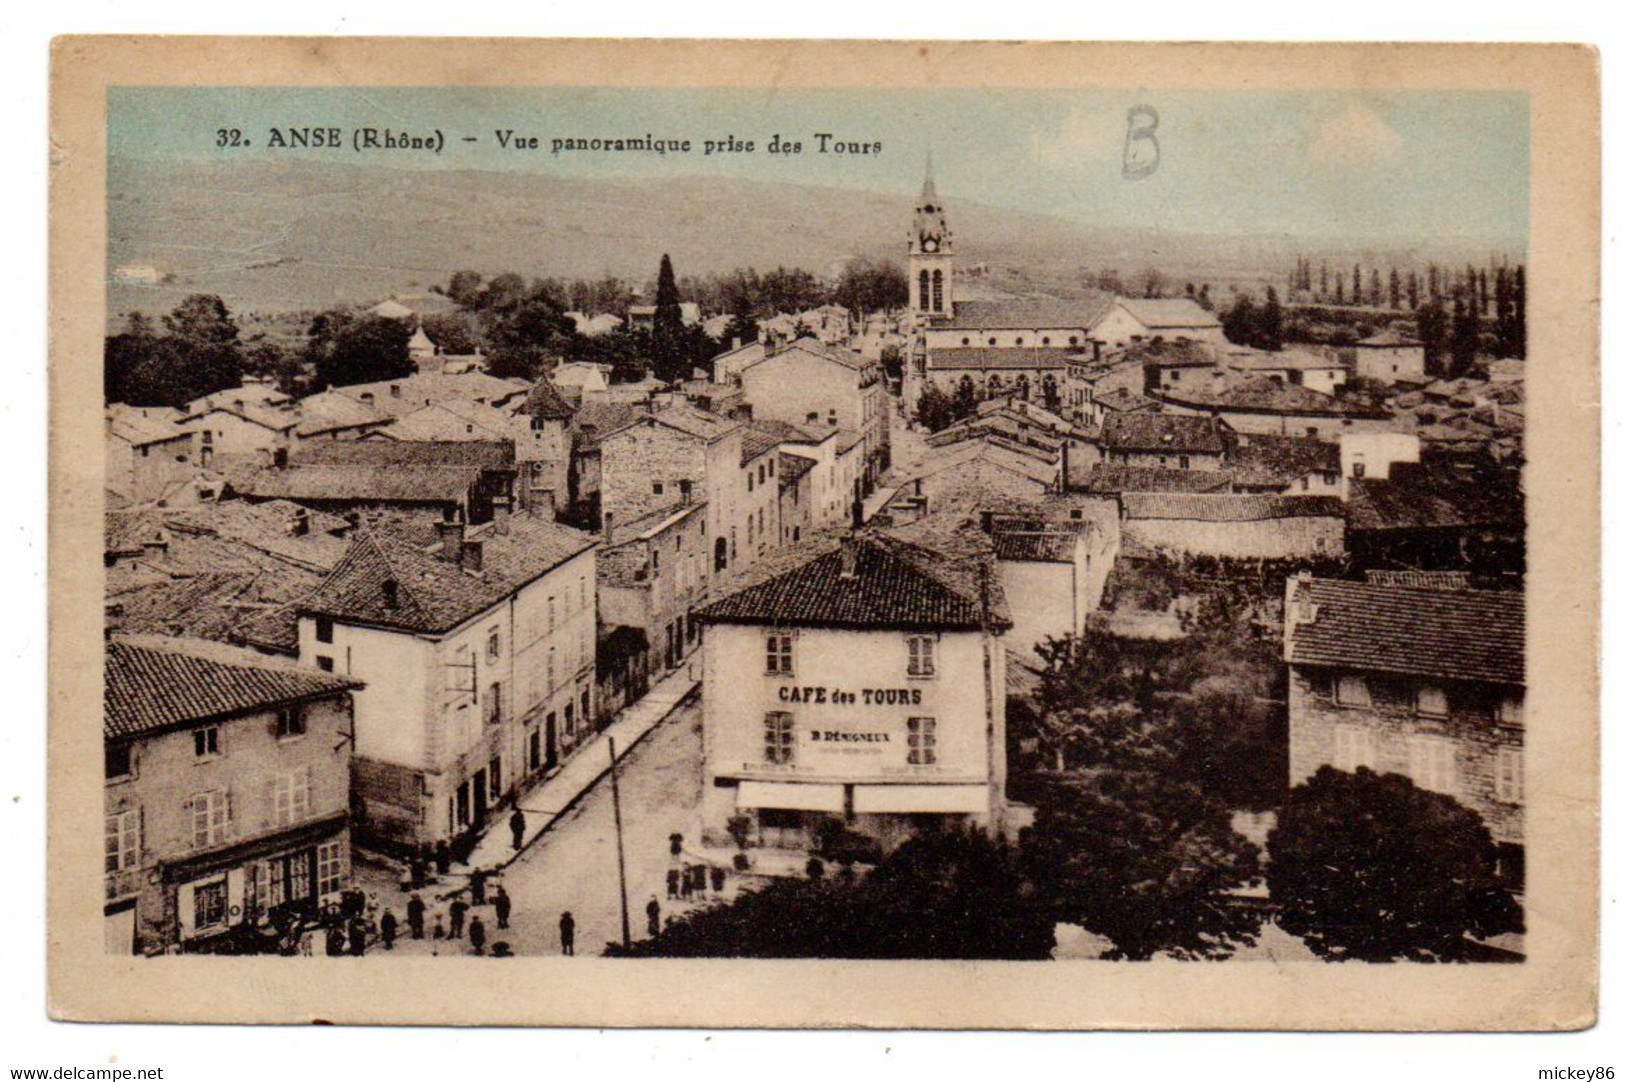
(358, 937)
(386, 928)
(567, 933)
(476, 886)
(439, 927)
(676, 844)
(442, 859)
(459, 910)
(415, 865)
(414, 916)
(687, 888)
(504, 906)
(335, 941)
(672, 878)
(653, 910)
(700, 871)
(516, 823)
(476, 935)
(719, 877)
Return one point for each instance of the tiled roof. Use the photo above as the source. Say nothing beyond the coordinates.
(435, 594)
(991, 358)
(785, 432)
(1387, 338)
(598, 416)
(1262, 459)
(793, 468)
(1169, 433)
(1264, 395)
(1168, 312)
(1123, 400)
(449, 422)
(330, 411)
(1109, 478)
(1227, 507)
(544, 401)
(155, 684)
(1040, 314)
(1290, 359)
(894, 585)
(1422, 580)
(140, 428)
(383, 484)
(1440, 492)
(1048, 546)
(1450, 634)
(684, 418)
(756, 442)
(496, 455)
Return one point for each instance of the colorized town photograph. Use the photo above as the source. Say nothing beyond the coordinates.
(890, 524)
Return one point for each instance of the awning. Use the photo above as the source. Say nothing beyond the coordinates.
(911, 799)
(783, 794)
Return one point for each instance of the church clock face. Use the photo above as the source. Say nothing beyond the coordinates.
(930, 245)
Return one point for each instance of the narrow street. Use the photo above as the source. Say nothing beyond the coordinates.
(573, 866)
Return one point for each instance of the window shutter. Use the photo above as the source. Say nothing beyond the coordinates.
(268, 819)
(189, 819)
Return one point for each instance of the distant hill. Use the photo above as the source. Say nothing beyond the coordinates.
(284, 236)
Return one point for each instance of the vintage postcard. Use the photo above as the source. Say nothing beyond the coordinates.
(616, 533)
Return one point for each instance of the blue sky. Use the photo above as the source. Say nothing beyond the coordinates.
(1391, 166)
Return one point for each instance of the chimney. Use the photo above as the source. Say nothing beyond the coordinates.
(849, 556)
(1096, 344)
(471, 556)
(608, 528)
(451, 539)
(987, 521)
(501, 513)
(112, 619)
(301, 522)
(392, 594)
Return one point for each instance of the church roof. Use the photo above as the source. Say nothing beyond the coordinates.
(1027, 314)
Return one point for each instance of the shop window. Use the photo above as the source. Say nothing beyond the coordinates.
(209, 904)
(779, 738)
(329, 868)
(922, 655)
(922, 741)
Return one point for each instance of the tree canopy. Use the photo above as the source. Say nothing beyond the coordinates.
(345, 347)
(1369, 867)
(199, 352)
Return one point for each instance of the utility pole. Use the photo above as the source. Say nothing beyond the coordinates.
(620, 844)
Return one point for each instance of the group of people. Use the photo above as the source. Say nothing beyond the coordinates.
(454, 920)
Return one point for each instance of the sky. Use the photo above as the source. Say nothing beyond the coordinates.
(1393, 166)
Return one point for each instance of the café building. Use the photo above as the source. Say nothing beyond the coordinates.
(860, 684)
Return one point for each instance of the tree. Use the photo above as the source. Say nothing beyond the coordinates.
(526, 331)
(1143, 859)
(945, 894)
(207, 339)
(1393, 287)
(1369, 867)
(936, 410)
(199, 353)
(344, 348)
(1268, 329)
(867, 286)
(1463, 335)
(668, 352)
(454, 332)
(1152, 282)
(464, 288)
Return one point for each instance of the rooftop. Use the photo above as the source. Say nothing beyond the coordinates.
(434, 593)
(893, 584)
(365, 483)
(1109, 478)
(1450, 634)
(1168, 313)
(153, 684)
(1163, 432)
(1440, 492)
(1036, 546)
(990, 358)
(483, 454)
(1264, 395)
(544, 401)
(1027, 314)
(1227, 506)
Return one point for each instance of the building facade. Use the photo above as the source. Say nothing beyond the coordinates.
(1424, 682)
(855, 692)
(227, 792)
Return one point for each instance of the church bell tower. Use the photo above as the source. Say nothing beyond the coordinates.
(930, 257)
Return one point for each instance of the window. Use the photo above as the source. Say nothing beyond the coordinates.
(123, 840)
(1509, 711)
(494, 769)
(750, 482)
(659, 489)
(206, 742)
(1433, 763)
(781, 655)
(922, 655)
(324, 629)
(493, 645)
(210, 817)
(586, 701)
(1184, 462)
(1351, 691)
(1432, 700)
(922, 741)
(325, 664)
(1509, 775)
(209, 904)
(290, 797)
(779, 738)
(1352, 748)
(493, 704)
(329, 867)
(119, 761)
(290, 722)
